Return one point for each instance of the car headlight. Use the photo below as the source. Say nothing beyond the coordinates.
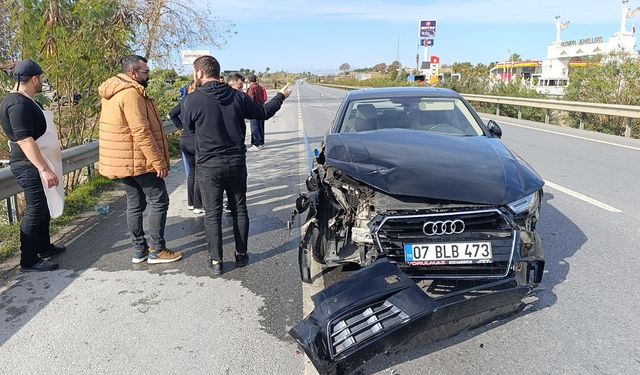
(528, 204)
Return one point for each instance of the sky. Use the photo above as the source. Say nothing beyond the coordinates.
(318, 36)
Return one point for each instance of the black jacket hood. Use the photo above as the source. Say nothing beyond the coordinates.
(475, 169)
(222, 92)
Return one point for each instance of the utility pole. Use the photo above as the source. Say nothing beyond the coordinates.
(398, 49)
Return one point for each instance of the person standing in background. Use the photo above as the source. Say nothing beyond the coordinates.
(257, 126)
(188, 148)
(236, 81)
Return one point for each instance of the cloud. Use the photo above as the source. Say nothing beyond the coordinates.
(451, 11)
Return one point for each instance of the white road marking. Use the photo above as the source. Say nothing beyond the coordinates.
(324, 93)
(287, 207)
(582, 197)
(308, 290)
(266, 190)
(569, 135)
(272, 200)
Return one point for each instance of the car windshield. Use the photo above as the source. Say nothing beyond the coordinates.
(439, 115)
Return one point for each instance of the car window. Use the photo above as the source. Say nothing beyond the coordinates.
(438, 115)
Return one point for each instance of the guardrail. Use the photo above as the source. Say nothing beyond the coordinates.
(73, 158)
(629, 112)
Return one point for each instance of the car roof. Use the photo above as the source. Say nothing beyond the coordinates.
(388, 92)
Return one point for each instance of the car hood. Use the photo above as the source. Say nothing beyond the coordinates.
(434, 166)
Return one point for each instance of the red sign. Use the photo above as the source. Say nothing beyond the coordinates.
(435, 60)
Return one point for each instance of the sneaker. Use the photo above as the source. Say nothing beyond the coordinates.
(42, 266)
(226, 209)
(140, 255)
(242, 259)
(53, 250)
(189, 208)
(163, 256)
(198, 211)
(216, 267)
(254, 148)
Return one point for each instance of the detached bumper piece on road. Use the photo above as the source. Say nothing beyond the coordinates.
(379, 309)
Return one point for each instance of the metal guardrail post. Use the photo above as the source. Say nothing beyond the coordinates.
(498, 109)
(12, 209)
(519, 114)
(546, 116)
(627, 130)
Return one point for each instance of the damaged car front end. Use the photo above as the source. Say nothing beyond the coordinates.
(411, 185)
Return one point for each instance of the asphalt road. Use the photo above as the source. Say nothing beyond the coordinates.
(102, 314)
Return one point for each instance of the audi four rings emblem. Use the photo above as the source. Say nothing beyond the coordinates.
(439, 228)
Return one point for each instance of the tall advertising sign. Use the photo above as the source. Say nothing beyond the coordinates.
(427, 29)
(427, 33)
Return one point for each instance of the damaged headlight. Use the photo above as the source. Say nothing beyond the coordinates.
(526, 205)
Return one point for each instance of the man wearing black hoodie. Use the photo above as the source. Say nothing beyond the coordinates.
(216, 112)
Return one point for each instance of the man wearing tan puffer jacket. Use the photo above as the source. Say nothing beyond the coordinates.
(133, 148)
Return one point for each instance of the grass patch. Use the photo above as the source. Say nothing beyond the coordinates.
(174, 145)
(84, 197)
(9, 240)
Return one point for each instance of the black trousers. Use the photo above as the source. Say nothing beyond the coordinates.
(34, 228)
(142, 190)
(214, 180)
(188, 147)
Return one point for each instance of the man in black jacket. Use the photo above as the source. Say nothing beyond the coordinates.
(216, 112)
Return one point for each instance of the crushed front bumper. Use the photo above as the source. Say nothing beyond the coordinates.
(379, 309)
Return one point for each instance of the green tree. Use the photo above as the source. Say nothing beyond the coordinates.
(473, 79)
(246, 72)
(613, 80)
(392, 69)
(345, 68)
(79, 44)
(380, 68)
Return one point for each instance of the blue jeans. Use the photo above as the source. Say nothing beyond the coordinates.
(257, 132)
(142, 190)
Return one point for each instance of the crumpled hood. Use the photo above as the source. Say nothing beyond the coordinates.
(114, 85)
(222, 92)
(433, 166)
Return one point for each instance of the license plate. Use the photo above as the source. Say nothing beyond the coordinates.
(448, 253)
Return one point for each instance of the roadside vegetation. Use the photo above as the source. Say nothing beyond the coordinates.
(79, 44)
(84, 198)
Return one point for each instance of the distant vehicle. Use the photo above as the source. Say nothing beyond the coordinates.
(410, 184)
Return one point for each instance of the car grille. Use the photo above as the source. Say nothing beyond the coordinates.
(364, 324)
(484, 225)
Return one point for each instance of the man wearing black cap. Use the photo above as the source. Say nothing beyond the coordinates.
(23, 121)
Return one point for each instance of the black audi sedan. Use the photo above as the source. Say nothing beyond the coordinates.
(413, 186)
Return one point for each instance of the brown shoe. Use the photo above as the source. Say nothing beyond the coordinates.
(163, 256)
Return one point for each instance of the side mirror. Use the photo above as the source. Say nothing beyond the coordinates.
(494, 129)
